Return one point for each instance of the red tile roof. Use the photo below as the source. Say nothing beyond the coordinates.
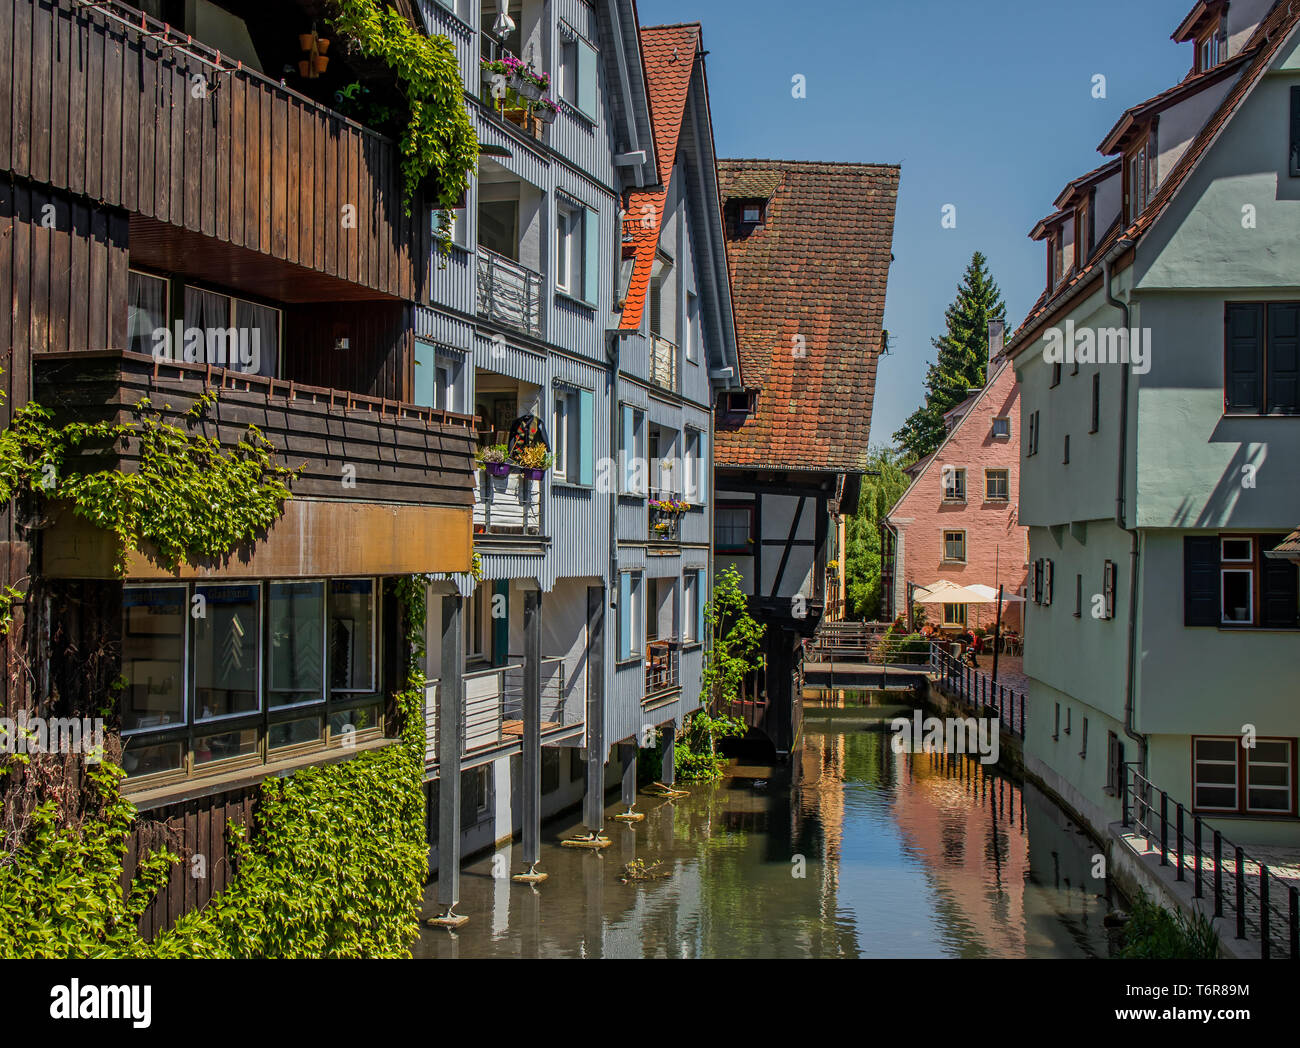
(1261, 49)
(668, 54)
(817, 267)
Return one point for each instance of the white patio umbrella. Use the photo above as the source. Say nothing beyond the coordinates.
(991, 595)
(945, 592)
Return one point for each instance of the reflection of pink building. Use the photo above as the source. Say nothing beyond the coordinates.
(958, 520)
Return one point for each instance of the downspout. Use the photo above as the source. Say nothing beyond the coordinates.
(1121, 510)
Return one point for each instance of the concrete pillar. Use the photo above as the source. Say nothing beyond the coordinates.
(451, 731)
(593, 807)
(627, 756)
(532, 756)
(668, 739)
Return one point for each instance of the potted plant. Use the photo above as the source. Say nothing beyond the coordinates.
(529, 84)
(493, 458)
(547, 111)
(534, 461)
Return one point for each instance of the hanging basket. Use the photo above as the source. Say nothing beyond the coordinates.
(497, 469)
(547, 116)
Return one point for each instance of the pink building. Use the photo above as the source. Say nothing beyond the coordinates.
(958, 520)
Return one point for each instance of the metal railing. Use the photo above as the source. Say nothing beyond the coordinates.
(663, 363)
(977, 689)
(663, 665)
(1237, 883)
(509, 293)
(493, 705)
(664, 525)
(507, 505)
(848, 640)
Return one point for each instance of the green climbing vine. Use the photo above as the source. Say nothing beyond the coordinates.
(438, 143)
(188, 499)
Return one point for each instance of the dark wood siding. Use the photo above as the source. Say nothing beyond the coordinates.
(398, 455)
(381, 345)
(90, 106)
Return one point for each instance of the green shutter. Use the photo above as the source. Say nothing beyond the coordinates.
(586, 437)
(1244, 364)
(624, 616)
(426, 371)
(1201, 604)
(587, 79)
(591, 256)
(1283, 359)
(501, 626)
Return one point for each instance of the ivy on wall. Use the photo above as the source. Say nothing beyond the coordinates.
(188, 499)
(438, 145)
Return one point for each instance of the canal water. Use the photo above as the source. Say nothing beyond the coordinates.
(850, 850)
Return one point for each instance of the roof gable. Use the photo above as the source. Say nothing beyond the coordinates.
(808, 287)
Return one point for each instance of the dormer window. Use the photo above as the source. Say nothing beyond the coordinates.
(1083, 232)
(1055, 258)
(1212, 48)
(751, 213)
(1140, 176)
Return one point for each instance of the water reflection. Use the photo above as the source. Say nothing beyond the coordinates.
(851, 851)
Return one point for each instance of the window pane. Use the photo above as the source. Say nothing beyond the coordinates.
(1236, 596)
(297, 654)
(1216, 750)
(259, 338)
(1216, 797)
(153, 657)
(209, 748)
(140, 759)
(359, 718)
(146, 311)
(225, 651)
(206, 310)
(294, 732)
(1216, 774)
(352, 610)
(1270, 753)
(1269, 775)
(1268, 800)
(1237, 549)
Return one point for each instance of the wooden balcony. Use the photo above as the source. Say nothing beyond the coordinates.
(387, 487)
(102, 102)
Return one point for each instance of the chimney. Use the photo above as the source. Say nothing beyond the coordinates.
(997, 329)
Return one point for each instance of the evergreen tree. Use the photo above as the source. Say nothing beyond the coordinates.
(963, 356)
(862, 532)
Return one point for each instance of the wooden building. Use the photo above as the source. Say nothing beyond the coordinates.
(156, 180)
(808, 246)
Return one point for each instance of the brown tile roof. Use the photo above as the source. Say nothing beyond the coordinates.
(668, 54)
(816, 268)
(1262, 48)
(1288, 548)
(754, 185)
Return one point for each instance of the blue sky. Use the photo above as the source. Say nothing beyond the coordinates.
(986, 106)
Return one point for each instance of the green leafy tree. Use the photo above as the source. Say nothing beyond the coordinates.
(880, 492)
(735, 653)
(962, 360)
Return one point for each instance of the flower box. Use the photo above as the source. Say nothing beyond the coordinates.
(497, 469)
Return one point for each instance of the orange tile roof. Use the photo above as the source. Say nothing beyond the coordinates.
(816, 268)
(1262, 47)
(668, 54)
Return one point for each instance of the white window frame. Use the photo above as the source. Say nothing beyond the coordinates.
(691, 324)
(690, 599)
(636, 596)
(1223, 549)
(564, 424)
(637, 452)
(954, 484)
(950, 559)
(1285, 789)
(960, 620)
(568, 247)
(1236, 775)
(1249, 620)
(1006, 422)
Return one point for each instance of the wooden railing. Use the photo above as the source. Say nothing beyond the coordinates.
(507, 505)
(127, 111)
(663, 666)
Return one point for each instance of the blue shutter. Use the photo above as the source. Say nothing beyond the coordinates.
(587, 79)
(426, 371)
(591, 256)
(501, 626)
(700, 598)
(586, 437)
(628, 447)
(624, 616)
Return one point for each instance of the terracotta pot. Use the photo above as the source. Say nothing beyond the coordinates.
(304, 41)
(322, 44)
(304, 68)
(320, 62)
